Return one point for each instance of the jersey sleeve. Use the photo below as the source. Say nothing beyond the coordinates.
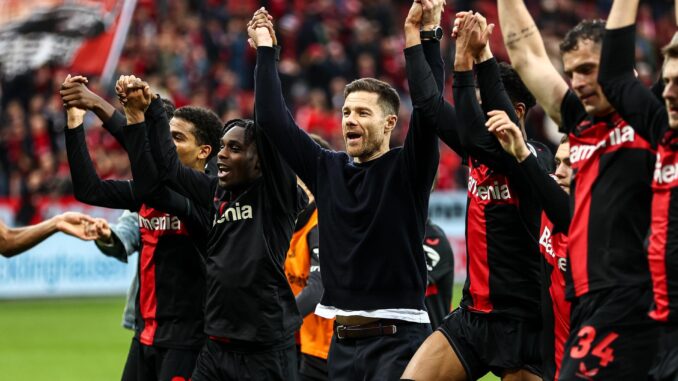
(572, 112)
(87, 186)
(635, 103)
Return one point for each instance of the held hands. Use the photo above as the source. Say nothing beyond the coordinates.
(76, 224)
(508, 134)
(135, 96)
(472, 33)
(75, 116)
(260, 29)
(74, 93)
(100, 230)
(432, 12)
(424, 14)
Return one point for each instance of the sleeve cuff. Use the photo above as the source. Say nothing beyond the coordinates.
(486, 65)
(117, 119)
(76, 130)
(413, 50)
(266, 53)
(464, 79)
(156, 108)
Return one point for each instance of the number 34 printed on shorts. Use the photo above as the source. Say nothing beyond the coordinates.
(602, 350)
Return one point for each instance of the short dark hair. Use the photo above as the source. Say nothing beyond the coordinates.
(169, 107)
(515, 88)
(206, 126)
(320, 141)
(670, 50)
(593, 30)
(247, 124)
(565, 139)
(389, 100)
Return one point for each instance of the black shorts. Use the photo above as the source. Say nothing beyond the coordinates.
(493, 343)
(611, 336)
(220, 361)
(153, 363)
(665, 366)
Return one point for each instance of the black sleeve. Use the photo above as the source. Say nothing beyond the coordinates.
(427, 96)
(572, 112)
(190, 183)
(435, 62)
(114, 126)
(150, 190)
(295, 146)
(279, 179)
(478, 141)
(87, 186)
(492, 91)
(554, 200)
(635, 103)
(310, 296)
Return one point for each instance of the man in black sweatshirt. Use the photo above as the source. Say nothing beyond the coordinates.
(250, 311)
(372, 203)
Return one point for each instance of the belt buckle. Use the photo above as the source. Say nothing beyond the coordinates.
(340, 332)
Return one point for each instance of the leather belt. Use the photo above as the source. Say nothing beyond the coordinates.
(383, 327)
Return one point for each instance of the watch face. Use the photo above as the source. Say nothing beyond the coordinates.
(438, 33)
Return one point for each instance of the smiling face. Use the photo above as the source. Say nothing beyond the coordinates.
(365, 126)
(581, 66)
(237, 161)
(191, 154)
(670, 94)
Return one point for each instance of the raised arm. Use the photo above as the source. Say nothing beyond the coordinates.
(271, 114)
(14, 241)
(76, 94)
(528, 56)
(148, 186)
(637, 104)
(478, 142)
(553, 199)
(190, 183)
(87, 186)
(425, 76)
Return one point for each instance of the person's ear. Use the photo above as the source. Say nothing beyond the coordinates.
(205, 151)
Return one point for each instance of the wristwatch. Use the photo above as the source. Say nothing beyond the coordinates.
(434, 34)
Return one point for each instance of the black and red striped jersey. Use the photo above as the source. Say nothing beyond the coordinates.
(171, 294)
(611, 197)
(503, 262)
(663, 248)
(555, 308)
(647, 114)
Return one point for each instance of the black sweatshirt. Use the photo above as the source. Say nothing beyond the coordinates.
(171, 292)
(248, 297)
(372, 215)
(649, 118)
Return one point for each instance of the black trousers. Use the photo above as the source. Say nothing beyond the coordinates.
(151, 363)
(220, 361)
(380, 358)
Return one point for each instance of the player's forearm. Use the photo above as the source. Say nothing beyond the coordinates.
(423, 87)
(521, 35)
(144, 171)
(492, 91)
(623, 13)
(15, 241)
(412, 36)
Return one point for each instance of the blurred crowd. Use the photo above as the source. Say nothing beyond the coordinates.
(196, 52)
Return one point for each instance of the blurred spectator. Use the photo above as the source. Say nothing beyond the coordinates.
(196, 52)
